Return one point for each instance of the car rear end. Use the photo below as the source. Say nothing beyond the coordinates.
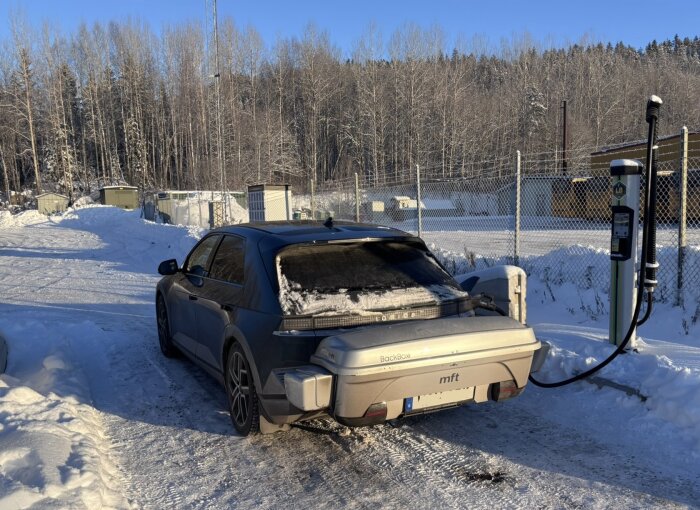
(399, 334)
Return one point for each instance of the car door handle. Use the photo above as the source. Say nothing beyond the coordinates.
(193, 298)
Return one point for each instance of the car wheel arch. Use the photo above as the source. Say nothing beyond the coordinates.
(232, 336)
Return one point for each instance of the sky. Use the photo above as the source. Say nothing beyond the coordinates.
(551, 23)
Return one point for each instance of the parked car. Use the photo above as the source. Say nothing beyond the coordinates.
(359, 322)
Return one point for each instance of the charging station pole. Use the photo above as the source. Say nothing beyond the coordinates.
(626, 176)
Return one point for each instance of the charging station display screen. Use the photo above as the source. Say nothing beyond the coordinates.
(621, 239)
(621, 227)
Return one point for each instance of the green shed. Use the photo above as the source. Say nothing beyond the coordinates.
(126, 197)
(51, 203)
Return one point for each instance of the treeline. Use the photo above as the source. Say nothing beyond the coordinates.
(118, 103)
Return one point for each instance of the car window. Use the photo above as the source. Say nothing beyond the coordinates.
(360, 277)
(362, 265)
(197, 261)
(228, 261)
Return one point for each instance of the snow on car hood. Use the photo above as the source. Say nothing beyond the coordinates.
(297, 301)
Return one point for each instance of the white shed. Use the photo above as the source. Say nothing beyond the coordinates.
(51, 203)
(269, 202)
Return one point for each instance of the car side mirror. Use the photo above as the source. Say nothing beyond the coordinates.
(168, 267)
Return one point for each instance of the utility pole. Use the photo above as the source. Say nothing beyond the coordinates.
(219, 145)
(564, 162)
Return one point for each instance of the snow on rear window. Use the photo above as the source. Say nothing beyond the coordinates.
(360, 278)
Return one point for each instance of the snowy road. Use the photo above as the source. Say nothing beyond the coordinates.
(76, 307)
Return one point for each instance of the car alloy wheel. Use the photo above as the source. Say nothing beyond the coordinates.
(243, 401)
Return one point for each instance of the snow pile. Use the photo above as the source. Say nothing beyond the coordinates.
(237, 212)
(671, 389)
(51, 451)
(52, 446)
(150, 240)
(463, 263)
(84, 202)
(23, 219)
(666, 374)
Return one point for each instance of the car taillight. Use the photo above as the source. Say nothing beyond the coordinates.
(504, 390)
(376, 412)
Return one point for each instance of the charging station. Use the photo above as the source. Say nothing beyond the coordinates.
(629, 284)
(626, 179)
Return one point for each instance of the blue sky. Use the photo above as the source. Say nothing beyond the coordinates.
(558, 22)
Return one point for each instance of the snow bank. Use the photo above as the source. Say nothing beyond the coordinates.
(23, 219)
(53, 450)
(238, 213)
(672, 390)
(666, 373)
(151, 240)
(84, 202)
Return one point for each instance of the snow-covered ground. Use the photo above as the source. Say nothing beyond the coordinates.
(91, 415)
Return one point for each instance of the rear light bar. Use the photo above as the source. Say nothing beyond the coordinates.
(301, 323)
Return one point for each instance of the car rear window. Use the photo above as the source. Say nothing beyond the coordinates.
(361, 277)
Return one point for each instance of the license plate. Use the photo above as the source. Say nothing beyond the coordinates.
(437, 399)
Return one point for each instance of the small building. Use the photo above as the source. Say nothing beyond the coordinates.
(582, 197)
(269, 202)
(536, 196)
(301, 214)
(669, 154)
(476, 203)
(669, 158)
(126, 197)
(402, 208)
(166, 204)
(439, 207)
(51, 203)
(373, 211)
(17, 198)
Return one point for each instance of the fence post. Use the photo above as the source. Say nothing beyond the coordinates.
(418, 201)
(357, 198)
(682, 213)
(516, 226)
(313, 200)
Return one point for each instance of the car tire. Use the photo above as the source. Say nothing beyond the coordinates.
(243, 402)
(167, 347)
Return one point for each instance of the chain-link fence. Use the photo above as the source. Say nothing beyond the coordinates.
(547, 214)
